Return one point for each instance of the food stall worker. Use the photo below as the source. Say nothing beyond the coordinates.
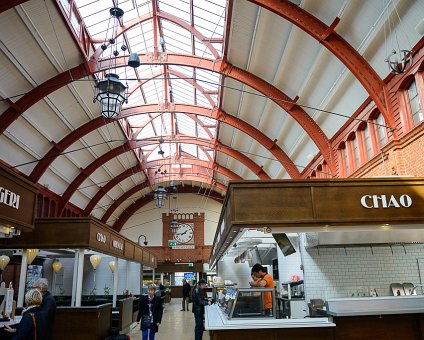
(266, 281)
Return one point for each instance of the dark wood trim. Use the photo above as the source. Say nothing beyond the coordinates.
(317, 203)
(82, 233)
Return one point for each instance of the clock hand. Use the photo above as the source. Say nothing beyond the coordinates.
(183, 233)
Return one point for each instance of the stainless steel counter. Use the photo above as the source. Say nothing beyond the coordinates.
(216, 320)
(376, 305)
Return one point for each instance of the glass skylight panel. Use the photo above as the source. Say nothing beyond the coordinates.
(147, 132)
(207, 120)
(191, 149)
(153, 90)
(186, 125)
(201, 100)
(177, 8)
(201, 132)
(183, 98)
(139, 120)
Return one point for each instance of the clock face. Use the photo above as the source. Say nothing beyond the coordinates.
(184, 233)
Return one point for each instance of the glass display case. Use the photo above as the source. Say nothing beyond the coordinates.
(247, 302)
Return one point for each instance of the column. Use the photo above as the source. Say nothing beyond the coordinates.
(115, 282)
(80, 272)
(127, 274)
(22, 278)
(74, 279)
(153, 275)
(141, 278)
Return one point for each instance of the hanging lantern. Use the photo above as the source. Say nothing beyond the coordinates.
(159, 196)
(110, 92)
(95, 261)
(112, 266)
(4, 260)
(174, 225)
(57, 266)
(32, 254)
(399, 60)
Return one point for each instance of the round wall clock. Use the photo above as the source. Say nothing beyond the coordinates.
(184, 233)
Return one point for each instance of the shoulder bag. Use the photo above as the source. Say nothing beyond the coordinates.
(35, 325)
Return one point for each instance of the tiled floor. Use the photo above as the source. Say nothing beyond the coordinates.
(176, 325)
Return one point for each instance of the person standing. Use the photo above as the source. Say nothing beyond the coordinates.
(150, 311)
(265, 280)
(199, 304)
(186, 295)
(33, 323)
(48, 306)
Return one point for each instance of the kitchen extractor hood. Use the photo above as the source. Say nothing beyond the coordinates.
(364, 238)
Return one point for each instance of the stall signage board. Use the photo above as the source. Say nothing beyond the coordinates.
(17, 200)
(331, 202)
(99, 238)
(116, 245)
(172, 243)
(184, 246)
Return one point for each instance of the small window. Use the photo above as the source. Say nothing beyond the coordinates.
(356, 152)
(381, 130)
(346, 159)
(65, 5)
(415, 102)
(75, 22)
(368, 144)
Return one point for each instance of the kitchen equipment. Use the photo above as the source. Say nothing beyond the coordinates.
(408, 287)
(397, 289)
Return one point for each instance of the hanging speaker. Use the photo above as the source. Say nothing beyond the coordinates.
(134, 60)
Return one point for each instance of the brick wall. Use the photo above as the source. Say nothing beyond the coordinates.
(404, 157)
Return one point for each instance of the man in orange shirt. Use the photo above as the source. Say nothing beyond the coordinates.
(263, 280)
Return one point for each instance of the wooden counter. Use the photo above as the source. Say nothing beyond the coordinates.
(268, 328)
(378, 318)
(83, 323)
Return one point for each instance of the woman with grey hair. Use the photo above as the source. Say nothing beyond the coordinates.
(150, 311)
(32, 325)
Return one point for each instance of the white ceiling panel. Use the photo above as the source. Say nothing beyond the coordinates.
(14, 155)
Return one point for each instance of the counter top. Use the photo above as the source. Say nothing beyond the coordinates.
(383, 305)
(216, 320)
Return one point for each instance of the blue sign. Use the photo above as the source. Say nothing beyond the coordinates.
(188, 275)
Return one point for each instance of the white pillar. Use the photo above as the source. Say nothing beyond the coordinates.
(115, 282)
(153, 275)
(74, 279)
(141, 278)
(22, 278)
(80, 272)
(127, 274)
(161, 278)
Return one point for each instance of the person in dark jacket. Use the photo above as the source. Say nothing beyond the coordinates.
(33, 320)
(48, 306)
(199, 303)
(186, 295)
(150, 311)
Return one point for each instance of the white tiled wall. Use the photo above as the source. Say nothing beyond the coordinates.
(343, 272)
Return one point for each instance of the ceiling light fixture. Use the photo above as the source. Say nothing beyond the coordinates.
(110, 92)
(159, 196)
(400, 57)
